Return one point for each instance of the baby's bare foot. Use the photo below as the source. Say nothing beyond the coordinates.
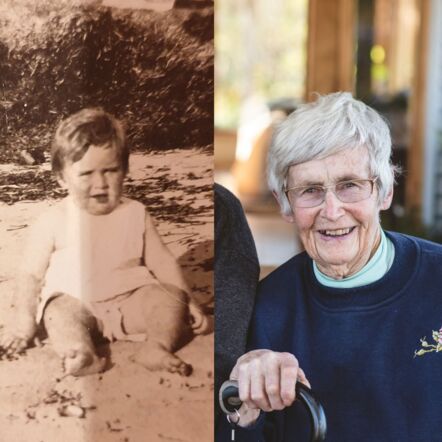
(82, 363)
(156, 358)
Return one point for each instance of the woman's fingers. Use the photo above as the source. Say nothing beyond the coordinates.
(243, 377)
(302, 378)
(267, 379)
(273, 388)
(274, 366)
(289, 375)
(251, 382)
(258, 394)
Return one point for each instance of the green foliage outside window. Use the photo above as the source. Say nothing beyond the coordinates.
(260, 49)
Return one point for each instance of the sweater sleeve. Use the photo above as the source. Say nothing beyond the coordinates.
(262, 429)
(236, 278)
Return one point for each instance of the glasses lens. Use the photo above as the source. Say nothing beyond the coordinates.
(307, 196)
(346, 191)
(353, 191)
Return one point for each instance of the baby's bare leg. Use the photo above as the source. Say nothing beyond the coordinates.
(162, 313)
(69, 325)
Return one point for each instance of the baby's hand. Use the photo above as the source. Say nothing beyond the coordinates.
(200, 323)
(15, 338)
(11, 344)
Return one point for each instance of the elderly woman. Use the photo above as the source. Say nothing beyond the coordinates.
(358, 315)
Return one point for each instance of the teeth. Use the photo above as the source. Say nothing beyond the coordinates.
(337, 232)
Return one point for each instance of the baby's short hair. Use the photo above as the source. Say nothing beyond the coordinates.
(90, 126)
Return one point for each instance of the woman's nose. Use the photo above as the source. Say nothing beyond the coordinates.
(332, 207)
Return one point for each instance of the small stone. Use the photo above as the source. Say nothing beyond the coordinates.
(30, 414)
(71, 411)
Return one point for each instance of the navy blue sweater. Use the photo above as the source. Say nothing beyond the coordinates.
(357, 348)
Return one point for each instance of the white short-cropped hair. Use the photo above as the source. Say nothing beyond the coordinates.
(331, 124)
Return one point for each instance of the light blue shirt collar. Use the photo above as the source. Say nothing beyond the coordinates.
(375, 269)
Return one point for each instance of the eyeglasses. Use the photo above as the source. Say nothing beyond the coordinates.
(351, 191)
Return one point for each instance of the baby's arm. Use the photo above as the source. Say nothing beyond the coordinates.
(21, 326)
(164, 266)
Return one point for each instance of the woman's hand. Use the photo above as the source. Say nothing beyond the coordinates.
(266, 381)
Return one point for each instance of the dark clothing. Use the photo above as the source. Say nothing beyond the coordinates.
(357, 347)
(236, 279)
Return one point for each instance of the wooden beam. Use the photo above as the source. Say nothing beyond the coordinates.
(415, 161)
(330, 46)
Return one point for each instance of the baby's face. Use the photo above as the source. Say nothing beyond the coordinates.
(95, 182)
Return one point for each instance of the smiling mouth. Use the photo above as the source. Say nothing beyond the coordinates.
(337, 232)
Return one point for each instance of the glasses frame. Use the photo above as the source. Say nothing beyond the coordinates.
(333, 188)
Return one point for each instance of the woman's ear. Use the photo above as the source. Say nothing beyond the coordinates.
(386, 202)
(288, 218)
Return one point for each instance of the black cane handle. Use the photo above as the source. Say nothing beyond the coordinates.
(229, 402)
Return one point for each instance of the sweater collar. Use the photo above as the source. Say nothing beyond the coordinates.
(405, 265)
(377, 266)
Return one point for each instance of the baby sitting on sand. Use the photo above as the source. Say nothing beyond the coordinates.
(96, 264)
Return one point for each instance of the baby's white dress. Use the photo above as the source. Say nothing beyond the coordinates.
(98, 259)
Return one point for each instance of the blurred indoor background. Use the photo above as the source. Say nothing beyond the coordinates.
(273, 55)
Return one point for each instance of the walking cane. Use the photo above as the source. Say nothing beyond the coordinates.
(230, 403)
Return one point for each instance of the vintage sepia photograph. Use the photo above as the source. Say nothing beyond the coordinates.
(106, 220)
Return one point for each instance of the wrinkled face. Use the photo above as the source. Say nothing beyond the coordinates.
(95, 182)
(339, 237)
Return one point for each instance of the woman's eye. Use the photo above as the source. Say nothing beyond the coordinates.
(310, 191)
(349, 185)
(112, 170)
(85, 174)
